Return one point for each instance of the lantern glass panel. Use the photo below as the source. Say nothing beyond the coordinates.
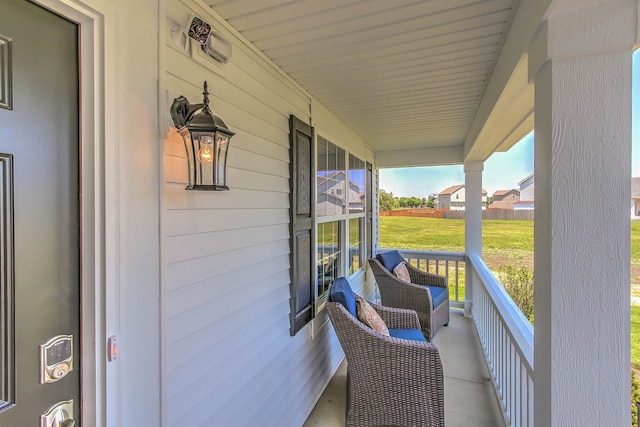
(206, 153)
(204, 150)
(221, 171)
(189, 149)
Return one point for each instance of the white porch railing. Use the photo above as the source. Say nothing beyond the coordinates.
(507, 340)
(449, 264)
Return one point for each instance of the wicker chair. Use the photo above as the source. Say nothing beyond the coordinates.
(390, 381)
(416, 295)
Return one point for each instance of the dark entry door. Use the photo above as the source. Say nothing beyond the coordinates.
(39, 192)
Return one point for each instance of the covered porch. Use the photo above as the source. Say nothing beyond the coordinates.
(196, 288)
(563, 68)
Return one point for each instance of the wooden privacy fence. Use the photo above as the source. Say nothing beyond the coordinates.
(415, 212)
(498, 214)
(523, 215)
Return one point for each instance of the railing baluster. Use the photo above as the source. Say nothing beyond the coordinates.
(457, 281)
(509, 348)
(446, 269)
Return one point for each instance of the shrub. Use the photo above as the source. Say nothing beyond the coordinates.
(518, 282)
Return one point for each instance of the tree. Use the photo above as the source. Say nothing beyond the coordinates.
(431, 203)
(387, 201)
(410, 202)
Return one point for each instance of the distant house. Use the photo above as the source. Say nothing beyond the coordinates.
(505, 199)
(331, 197)
(635, 197)
(526, 194)
(453, 198)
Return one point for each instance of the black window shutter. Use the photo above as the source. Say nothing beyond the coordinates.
(302, 229)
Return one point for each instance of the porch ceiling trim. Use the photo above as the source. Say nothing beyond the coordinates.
(434, 156)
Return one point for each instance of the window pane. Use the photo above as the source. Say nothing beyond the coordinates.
(331, 157)
(356, 185)
(329, 255)
(355, 244)
(331, 179)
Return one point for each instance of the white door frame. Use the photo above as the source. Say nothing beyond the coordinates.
(99, 222)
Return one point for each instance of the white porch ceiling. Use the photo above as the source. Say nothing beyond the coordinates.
(403, 74)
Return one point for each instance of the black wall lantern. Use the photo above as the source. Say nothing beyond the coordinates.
(206, 140)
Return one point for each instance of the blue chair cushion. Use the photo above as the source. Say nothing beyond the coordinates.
(438, 295)
(390, 259)
(341, 292)
(408, 334)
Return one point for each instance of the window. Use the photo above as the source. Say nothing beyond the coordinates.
(329, 255)
(331, 177)
(330, 209)
(356, 185)
(340, 214)
(334, 218)
(357, 215)
(356, 244)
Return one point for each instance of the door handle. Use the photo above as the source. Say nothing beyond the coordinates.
(59, 415)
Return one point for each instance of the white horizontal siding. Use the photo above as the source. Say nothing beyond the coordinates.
(186, 247)
(227, 356)
(192, 221)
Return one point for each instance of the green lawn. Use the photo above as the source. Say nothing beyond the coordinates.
(635, 335)
(503, 243)
(422, 233)
(635, 242)
(448, 234)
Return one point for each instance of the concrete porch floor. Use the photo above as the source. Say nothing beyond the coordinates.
(469, 399)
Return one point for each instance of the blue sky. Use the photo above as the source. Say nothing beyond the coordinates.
(502, 171)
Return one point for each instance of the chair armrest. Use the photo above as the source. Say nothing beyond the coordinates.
(420, 277)
(397, 318)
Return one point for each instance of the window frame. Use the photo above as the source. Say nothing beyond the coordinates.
(342, 219)
(359, 215)
(322, 297)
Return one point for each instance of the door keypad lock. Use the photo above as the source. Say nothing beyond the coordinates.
(56, 358)
(59, 415)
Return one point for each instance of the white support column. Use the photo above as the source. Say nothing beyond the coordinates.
(472, 222)
(580, 61)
